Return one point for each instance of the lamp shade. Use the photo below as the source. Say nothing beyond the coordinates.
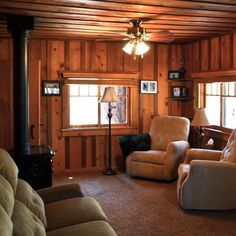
(128, 47)
(200, 118)
(109, 95)
(141, 48)
(137, 46)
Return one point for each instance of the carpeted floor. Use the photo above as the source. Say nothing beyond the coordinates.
(137, 207)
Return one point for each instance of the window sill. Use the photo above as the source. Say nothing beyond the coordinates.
(78, 132)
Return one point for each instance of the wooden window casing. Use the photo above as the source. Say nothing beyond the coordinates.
(130, 80)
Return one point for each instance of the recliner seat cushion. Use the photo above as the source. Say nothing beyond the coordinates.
(151, 157)
(29, 197)
(72, 211)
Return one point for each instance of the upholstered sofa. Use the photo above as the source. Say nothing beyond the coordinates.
(59, 210)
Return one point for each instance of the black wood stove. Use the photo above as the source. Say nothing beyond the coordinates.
(34, 162)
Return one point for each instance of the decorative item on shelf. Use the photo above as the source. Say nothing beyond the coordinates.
(177, 74)
(51, 88)
(173, 74)
(199, 120)
(184, 92)
(109, 96)
(148, 86)
(179, 92)
(182, 70)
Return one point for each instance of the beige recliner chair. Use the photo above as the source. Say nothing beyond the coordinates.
(169, 135)
(207, 178)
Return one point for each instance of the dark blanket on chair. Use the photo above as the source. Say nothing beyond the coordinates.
(134, 142)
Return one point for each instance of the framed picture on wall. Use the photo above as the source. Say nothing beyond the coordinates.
(51, 88)
(148, 86)
(179, 92)
(176, 92)
(174, 74)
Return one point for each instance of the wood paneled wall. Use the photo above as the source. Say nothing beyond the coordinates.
(46, 57)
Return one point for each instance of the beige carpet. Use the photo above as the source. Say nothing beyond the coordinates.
(142, 207)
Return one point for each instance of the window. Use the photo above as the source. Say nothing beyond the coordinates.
(83, 115)
(85, 108)
(220, 100)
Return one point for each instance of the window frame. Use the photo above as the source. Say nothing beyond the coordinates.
(131, 80)
(99, 125)
(202, 93)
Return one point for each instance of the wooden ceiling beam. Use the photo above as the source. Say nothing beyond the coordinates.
(148, 24)
(123, 29)
(132, 5)
(113, 8)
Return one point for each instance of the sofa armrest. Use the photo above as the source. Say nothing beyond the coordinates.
(202, 154)
(60, 192)
(175, 155)
(209, 185)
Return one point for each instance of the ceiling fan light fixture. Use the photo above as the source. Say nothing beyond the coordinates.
(136, 46)
(141, 48)
(128, 48)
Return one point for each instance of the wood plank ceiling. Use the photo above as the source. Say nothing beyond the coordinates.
(109, 19)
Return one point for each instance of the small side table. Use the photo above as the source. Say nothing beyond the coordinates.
(36, 167)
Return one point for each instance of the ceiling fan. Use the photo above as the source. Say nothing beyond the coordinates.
(137, 36)
(137, 31)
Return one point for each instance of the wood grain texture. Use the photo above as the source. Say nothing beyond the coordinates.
(162, 70)
(34, 102)
(86, 149)
(109, 19)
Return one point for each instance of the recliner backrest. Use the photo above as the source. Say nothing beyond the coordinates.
(229, 152)
(166, 129)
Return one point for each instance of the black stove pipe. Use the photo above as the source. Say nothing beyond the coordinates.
(20, 27)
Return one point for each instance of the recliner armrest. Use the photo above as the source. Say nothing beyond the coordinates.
(208, 185)
(60, 192)
(175, 155)
(202, 154)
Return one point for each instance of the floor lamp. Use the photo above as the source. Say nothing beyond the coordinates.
(200, 119)
(109, 96)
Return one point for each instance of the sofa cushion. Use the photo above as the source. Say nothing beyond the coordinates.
(6, 196)
(26, 195)
(25, 222)
(8, 168)
(72, 211)
(92, 228)
(229, 152)
(5, 223)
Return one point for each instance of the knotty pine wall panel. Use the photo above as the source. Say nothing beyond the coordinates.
(147, 112)
(48, 56)
(234, 51)
(226, 52)
(204, 55)
(115, 57)
(56, 61)
(215, 53)
(195, 60)
(6, 91)
(162, 75)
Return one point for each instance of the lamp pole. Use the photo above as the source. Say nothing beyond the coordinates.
(109, 170)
